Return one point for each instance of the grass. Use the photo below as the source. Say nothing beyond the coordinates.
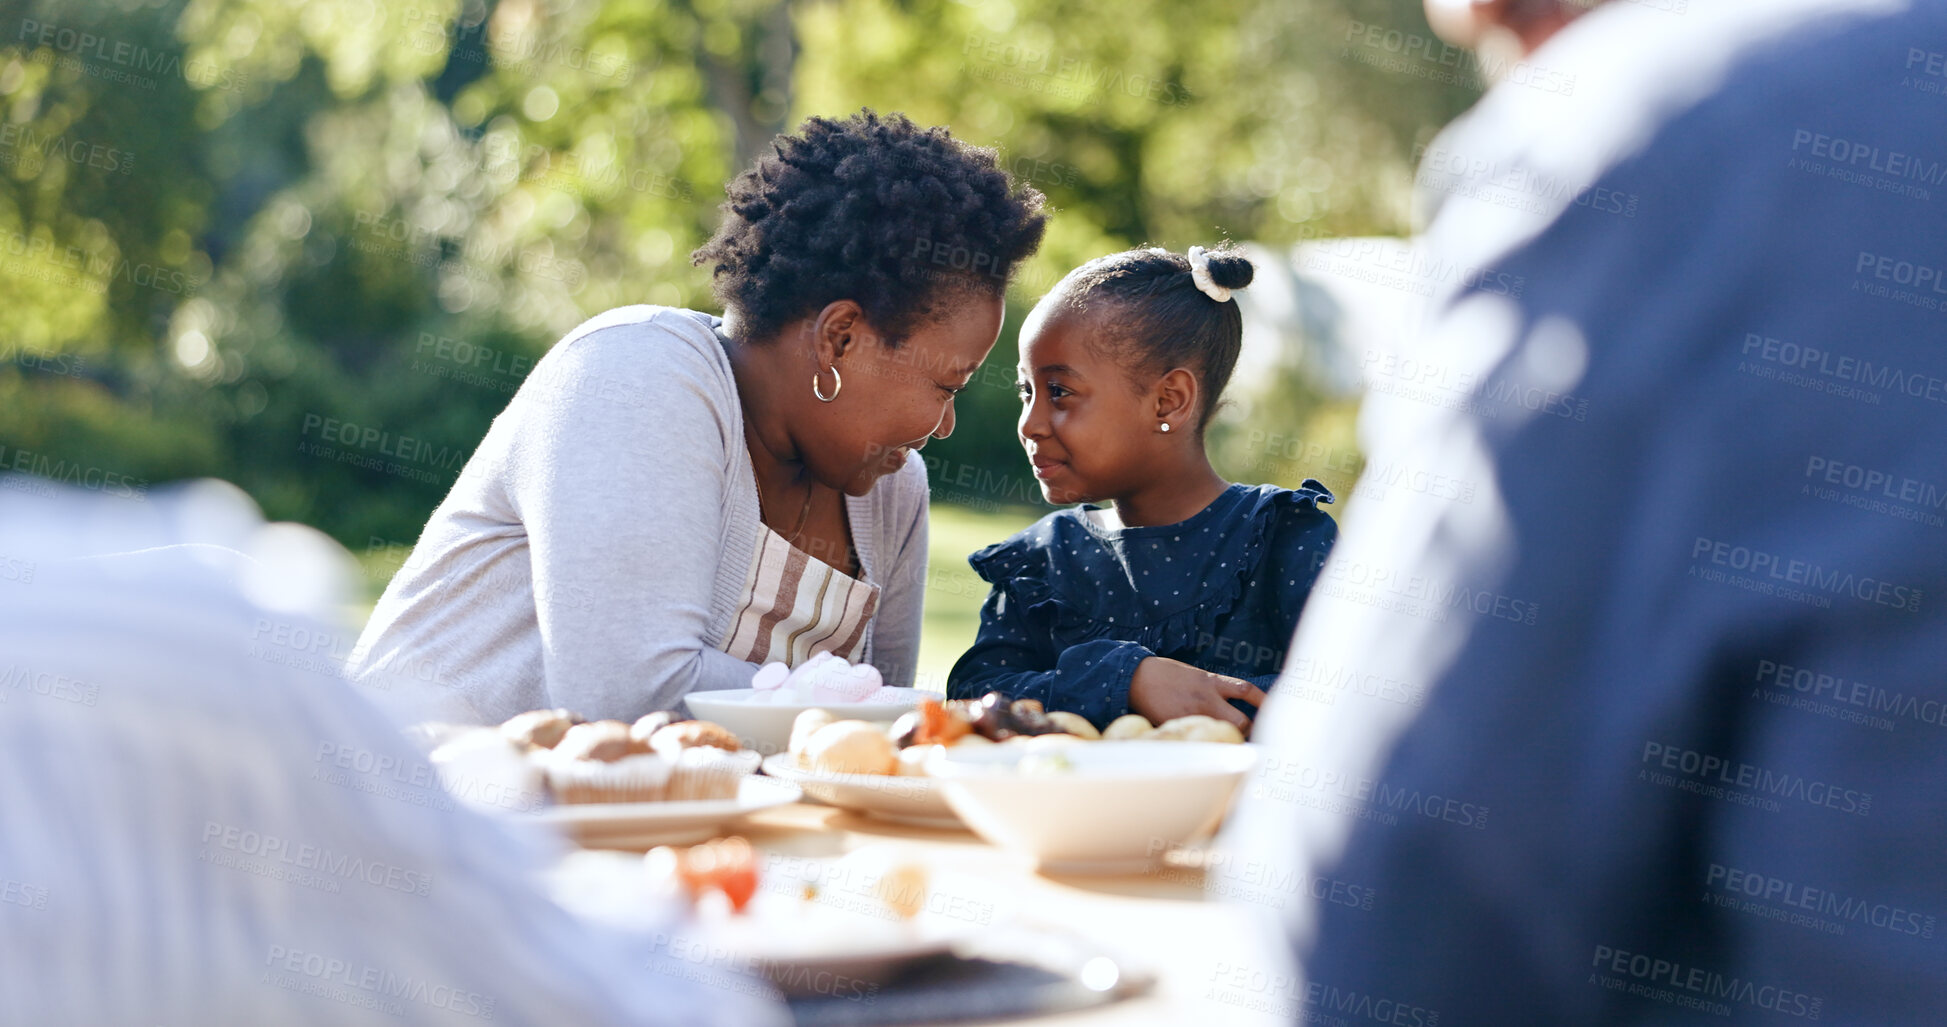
(953, 594)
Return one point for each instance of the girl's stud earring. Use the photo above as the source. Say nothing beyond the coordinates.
(1164, 427)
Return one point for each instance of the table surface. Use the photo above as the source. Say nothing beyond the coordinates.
(1206, 966)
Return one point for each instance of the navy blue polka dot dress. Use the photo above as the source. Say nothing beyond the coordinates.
(1075, 606)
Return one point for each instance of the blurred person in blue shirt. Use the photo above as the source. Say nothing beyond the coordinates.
(1651, 731)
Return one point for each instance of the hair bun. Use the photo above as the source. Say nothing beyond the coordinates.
(1230, 268)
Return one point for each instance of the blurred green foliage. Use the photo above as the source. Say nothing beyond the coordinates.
(313, 247)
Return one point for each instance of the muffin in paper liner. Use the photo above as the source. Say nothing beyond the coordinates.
(641, 778)
(706, 772)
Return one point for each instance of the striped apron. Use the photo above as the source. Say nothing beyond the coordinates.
(796, 605)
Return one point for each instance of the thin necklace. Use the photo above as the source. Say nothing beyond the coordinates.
(804, 515)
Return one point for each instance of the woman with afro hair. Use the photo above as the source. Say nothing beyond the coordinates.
(673, 499)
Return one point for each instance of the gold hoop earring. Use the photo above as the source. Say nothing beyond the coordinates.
(837, 384)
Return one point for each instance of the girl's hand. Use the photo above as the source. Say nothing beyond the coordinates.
(1163, 689)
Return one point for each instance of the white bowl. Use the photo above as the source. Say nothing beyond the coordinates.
(766, 726)
(1116, 808)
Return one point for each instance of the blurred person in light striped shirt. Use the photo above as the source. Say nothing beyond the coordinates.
(201, 822)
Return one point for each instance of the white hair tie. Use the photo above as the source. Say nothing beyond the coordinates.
(1200, 274)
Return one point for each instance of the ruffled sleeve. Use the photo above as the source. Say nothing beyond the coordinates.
(1294, 553)
(1019, 650)
(1297, 551)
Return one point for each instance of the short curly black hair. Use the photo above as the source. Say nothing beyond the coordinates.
(873, 209)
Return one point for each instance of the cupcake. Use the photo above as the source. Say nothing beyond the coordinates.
(707, 772)
(539, 729)
(602, 740)
(599, 762)
(692, 734)
(648, 724)
(708, 762)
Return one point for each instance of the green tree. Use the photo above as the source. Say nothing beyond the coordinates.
(312, 248)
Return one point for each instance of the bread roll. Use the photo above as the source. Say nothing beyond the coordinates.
(851, 747)
(1197, 728)
(803, 728)
(1074, 724)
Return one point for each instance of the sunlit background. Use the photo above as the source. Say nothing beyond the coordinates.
(312, 248)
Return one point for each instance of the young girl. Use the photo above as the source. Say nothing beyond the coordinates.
(1178, 596)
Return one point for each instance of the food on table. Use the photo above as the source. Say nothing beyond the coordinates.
(539, 729)
(993, 716)
(988, 715)
(603, 740)
(885, 884)
(691, 734)
(707, 772)
(899, 880)
(821, 742)
(648, 724)
(1029, 718)
(806, 725)
(1197, 728)
(903, 889)
(851, 747)
(824, 678)
(1193, 728)
(885, 874)
(642, 777)
(708, 761)
(727, 865)
(1074, 724)
(651, 760)
(930, 724)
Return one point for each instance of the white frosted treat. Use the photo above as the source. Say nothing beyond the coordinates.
(822, 679)
(769, 676)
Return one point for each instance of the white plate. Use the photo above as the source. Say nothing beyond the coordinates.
(641, 825)
(801, 952)
(845, 934)
(766, 726)
(907, 800)
(836, 938)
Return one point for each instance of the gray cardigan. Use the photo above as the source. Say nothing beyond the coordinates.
(594, 549)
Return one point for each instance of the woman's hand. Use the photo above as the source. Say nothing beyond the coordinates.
(1164, 689)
